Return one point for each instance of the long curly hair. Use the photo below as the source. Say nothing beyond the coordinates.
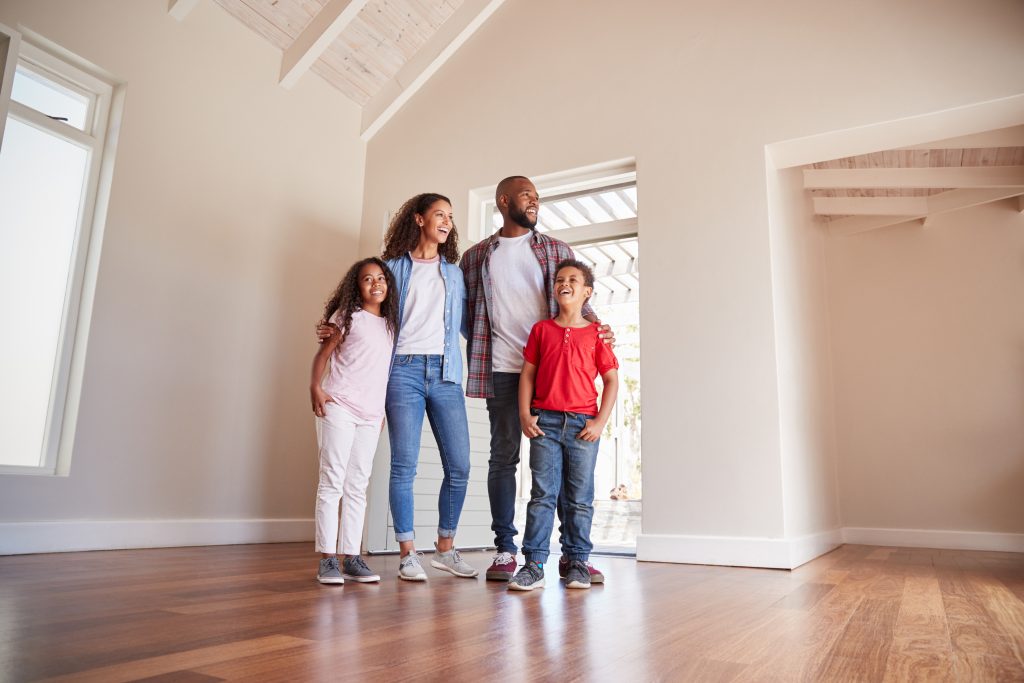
(403, 234)
(348, 300)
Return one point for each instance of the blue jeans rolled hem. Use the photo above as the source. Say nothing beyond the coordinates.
(445, 533)
(405, 536)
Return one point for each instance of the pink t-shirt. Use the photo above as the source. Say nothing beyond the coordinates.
(358, 377)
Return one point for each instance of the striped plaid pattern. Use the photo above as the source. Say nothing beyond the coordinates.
(480, 290)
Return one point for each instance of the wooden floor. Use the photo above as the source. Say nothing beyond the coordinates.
(255, 613)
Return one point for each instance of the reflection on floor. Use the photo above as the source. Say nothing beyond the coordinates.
(614, 530)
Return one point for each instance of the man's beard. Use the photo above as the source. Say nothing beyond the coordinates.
(521, 219)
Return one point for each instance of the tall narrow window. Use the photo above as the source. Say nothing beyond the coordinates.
(51, 155)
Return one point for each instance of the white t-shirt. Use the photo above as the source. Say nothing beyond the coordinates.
(423, 317)
(518, 298)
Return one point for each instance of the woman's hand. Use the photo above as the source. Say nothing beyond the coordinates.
(320, 399)
(530, 428)
(327, 332)
(591, 430)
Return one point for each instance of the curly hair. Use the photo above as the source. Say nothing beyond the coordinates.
(348, 300)
(403, 234)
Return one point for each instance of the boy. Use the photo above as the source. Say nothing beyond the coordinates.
(559, 413)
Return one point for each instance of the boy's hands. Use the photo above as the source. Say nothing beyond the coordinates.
(530, 428)
(591, 430)
(320, 399)
(326, 331)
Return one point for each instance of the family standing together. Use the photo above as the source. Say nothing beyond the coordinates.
(390, 335)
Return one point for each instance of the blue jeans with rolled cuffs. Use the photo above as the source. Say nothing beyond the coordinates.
(415, 388)
(560, 463)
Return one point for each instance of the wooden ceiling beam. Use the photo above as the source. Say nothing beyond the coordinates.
(314, 40)
(871, 206)
(455, 31)
(179, 9)
(945, 202)
(951, 177)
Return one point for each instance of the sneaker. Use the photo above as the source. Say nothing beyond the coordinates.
(410, 569)
(578, 575)
(530, 576)
(452, 563)
(329, 571)
(595, 574)
(356, 570)
(503, 568)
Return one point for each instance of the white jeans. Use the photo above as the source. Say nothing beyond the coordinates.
(347, 445)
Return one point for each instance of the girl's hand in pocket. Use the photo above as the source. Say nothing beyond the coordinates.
(320, 399)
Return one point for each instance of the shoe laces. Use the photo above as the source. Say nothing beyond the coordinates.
(414, 556)
(332, 563)
(503, 558)
(358, 562)
(456, 557)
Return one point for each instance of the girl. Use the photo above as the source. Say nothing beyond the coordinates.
(349, 406)
(422, 250)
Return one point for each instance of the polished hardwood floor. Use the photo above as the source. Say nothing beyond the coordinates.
(255, 613)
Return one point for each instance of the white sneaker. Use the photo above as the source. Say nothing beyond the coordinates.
(410, 569)
(452, 563)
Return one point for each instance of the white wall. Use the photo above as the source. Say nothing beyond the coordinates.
(928, 338)
(807, 435)
(693, 91)
(234, 211)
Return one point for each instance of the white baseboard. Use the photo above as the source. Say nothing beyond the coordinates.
(927, 538)
(736, 551)
(18, 538)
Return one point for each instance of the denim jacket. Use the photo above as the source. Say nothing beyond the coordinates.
(454, 310)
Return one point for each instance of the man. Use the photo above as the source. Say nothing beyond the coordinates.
(509, 281)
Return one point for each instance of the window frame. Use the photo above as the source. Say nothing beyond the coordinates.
(99, 139)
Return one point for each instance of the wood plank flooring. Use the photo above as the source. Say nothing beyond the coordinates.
(255, 612)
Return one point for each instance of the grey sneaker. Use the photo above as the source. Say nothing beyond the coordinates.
(578, 575)
(410, 569)
(530, 576)
(452, 563)
(356, 570)
(329, 571)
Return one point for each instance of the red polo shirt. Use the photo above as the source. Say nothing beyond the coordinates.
(567, 359)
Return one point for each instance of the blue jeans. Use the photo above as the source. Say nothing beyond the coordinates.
(561, 465)
(414, 388)
(506, 437)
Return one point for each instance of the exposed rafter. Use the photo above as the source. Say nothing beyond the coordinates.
(314, 40)
(871, 206)
(912, 178)
(179, 9)
(945, 202)
(425, 63)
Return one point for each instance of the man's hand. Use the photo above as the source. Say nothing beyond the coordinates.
(320, 399)
(327, 332)
(591, 430)
(606, 334)
(530, 428)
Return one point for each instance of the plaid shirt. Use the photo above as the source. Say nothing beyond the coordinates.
(480, 291)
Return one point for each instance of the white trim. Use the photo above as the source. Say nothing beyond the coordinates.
(912, 130)
(932, 538)
(736, 551)
(8, 63)
(19, 538)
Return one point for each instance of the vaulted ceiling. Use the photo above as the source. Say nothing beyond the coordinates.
(377, 52)
(877, 190)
